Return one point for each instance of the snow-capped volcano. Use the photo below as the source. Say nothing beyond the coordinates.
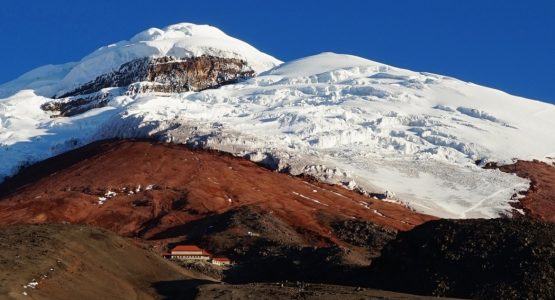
(414, 137)
(183, 40)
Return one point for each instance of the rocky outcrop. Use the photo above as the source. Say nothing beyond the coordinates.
(365, 234)
(164, 74)
(71, 106)
(170, 75)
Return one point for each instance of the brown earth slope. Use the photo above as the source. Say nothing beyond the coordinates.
(57, 261)
(79, 262)
(539, 201)
(150, 190)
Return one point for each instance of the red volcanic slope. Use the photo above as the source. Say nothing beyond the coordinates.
(140, 188)
(539, 200)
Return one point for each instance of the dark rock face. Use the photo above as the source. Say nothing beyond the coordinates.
(79, 104)
(163, 74)
(170, 75)
(485, 259)
(365, 234)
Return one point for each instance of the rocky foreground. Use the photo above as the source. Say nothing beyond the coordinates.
(485, 259)
(80, 262)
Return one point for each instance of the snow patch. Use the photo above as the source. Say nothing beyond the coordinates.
(378, 213)
(308, 198)
(107, 195)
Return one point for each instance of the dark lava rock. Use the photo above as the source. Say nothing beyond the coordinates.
(306, 264)
(364, 233)
(485, 259)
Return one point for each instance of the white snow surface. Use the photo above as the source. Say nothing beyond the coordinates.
(411, 136)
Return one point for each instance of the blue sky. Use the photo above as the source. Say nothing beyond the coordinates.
(509, 45)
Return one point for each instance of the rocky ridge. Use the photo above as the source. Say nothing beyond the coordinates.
(151, 75)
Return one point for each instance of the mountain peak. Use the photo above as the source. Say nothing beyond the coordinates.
(179, 30)
(182, 41)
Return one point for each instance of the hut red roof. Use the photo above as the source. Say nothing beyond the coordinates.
(187, 248)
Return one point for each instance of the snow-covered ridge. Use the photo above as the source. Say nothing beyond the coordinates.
(413, 136)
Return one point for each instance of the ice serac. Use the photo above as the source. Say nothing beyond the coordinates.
(413, 137)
